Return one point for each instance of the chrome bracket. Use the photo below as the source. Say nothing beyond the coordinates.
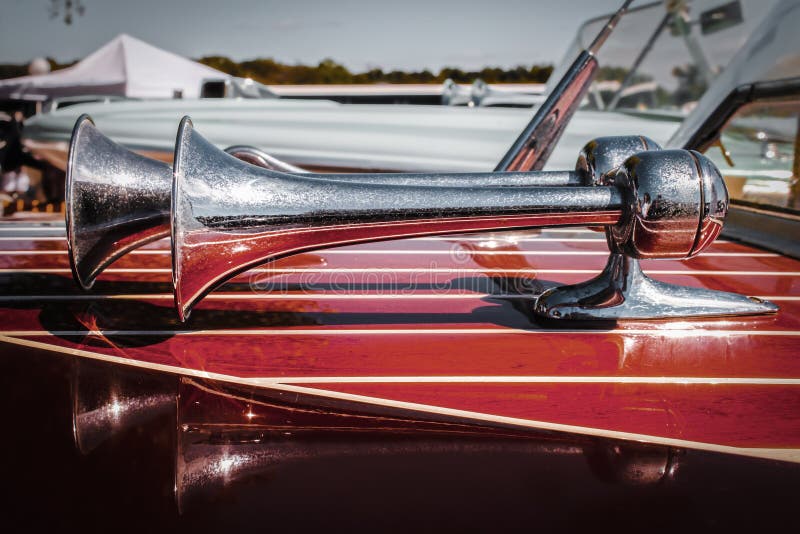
(623, 291)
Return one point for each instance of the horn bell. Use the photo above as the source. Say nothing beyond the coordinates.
(116, 200)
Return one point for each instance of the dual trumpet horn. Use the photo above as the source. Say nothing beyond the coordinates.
(226, 216)
(118, 200)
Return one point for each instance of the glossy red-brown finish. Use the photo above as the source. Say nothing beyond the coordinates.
(737, 416)
(443, 324)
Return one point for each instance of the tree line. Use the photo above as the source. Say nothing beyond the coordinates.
(271, 72)
(328, 71)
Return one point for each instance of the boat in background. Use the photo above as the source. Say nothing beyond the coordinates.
(325, 136)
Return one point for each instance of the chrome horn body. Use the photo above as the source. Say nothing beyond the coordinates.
(226, 216)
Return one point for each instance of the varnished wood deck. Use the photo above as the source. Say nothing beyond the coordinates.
(440, 325)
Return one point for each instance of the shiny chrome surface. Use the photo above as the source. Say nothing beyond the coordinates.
(623, 291)
(668, 193)
(664, 215)
(228, 216)
(656, 204)
(256, 156)
(118, 200)
(604, 154)
(114, 201)
(534, 145)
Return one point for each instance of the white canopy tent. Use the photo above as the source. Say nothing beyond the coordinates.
(125, 66)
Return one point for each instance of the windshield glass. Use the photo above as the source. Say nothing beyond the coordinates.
(663, 55)
(759, 154)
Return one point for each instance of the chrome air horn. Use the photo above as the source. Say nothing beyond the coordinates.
(117, 200)
(228, 216)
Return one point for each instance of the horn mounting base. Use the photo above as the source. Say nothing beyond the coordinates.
(623, 292)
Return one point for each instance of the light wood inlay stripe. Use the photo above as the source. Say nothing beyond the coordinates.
(786, 454)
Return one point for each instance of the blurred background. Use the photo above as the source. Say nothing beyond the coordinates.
(359, 35)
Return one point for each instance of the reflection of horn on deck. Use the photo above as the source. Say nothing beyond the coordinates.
(227, 436)
(108, 400)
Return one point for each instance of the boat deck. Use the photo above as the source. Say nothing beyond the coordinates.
(440, 326)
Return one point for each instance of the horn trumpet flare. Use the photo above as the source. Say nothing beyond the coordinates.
(114, 201)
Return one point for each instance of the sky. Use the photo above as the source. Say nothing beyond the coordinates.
(361, 34)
